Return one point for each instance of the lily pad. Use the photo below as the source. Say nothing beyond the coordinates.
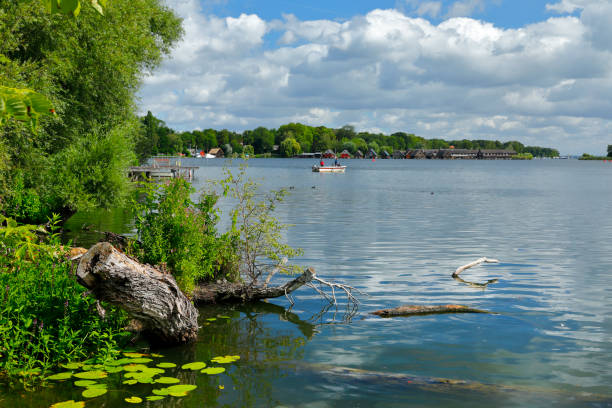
(166, 365)
(130, 382)
(69, 404)
(153, 371)
(98, 385)
(177, 394)
(135, 367)
(181, 388)
(198, 365)
(156, 355)
(167, 380)
(84, 383)
(113, 369)
(119, 362)
(60, 376)
(133, 400)
(155, 397)
(224, 317)
(72, 366)
(211, 319)
(141, 360)
(225, 359)
(160, 391)
(213, 370)
(94, 392)
(91, 375)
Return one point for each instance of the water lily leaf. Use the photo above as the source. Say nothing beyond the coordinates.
(153, 371)
(167, 380)
(156, 355)
(134, 355)
(198, 365)
(135, 367)
(133, 400)
(224, 317)
(177, 394)
(119, 362)
(130, 382)
(94, 392)
(91, 375)
(88, 367)
(155, 398)
(211, 319)
(113, 370)
(160, 391)
(146, 380)
(72, 366)
(166, 365)
(96, 385)
(213, 370)
(141, 360)
(60, 376)
(225, 359)
(181, 388)
(84, 383)
(68, 404)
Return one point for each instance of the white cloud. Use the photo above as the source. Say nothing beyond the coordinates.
(546, 83)
(465, 8)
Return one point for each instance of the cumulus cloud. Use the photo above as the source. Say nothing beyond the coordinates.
(546, 83)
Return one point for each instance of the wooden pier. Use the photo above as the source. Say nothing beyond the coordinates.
(162, 167)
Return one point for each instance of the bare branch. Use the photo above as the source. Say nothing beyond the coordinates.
(471, 264)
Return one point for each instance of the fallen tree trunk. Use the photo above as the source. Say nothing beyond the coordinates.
(413, 310)
(227, 292)
(148, 295)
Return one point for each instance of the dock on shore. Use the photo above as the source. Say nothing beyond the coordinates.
(161, 167)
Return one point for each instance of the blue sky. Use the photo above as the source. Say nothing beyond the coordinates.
(535, 71)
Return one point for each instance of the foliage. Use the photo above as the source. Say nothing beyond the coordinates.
(290, 147)
(586, 156)
(609, 150)
(45, 316)
(256, 233)
(522, 156)
(181, 234)
(24, 105)
(89, 69)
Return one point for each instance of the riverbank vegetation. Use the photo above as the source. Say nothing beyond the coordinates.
(294, 138)
(89, 68)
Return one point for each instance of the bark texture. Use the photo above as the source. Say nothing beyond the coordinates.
(148, 295)
(412, 310)
(227, 292)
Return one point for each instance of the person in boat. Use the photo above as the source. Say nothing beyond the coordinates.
(336, 162)
(322, 163)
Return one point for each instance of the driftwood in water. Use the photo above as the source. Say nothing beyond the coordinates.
(476, 262)
(148, 295)
(412, 310)
(221, 292)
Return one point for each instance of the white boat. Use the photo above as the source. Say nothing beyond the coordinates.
(328, 169)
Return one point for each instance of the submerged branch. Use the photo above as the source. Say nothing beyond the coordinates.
(471, 264)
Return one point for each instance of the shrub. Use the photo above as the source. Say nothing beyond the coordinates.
(176, 232)
(46, 318)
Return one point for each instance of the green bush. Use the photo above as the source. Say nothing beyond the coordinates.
(177, 232)
(46, 318)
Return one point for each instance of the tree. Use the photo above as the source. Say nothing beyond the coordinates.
(609, 150)
(263, 140)
(290, 147)
(89, 68)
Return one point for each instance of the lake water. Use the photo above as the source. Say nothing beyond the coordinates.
(397, 229)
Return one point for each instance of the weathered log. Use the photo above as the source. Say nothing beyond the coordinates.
(412, 310)
(148, 295)
(227, 292)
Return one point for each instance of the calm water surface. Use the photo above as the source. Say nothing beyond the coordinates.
(397, 230)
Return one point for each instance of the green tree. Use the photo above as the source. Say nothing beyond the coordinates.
(290, 147)
(609, 150)
(263, 140)
(89, 68)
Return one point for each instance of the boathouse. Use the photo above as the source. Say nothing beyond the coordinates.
(329, 154)
(371, 154)
(399, 154)
(216, 151)
(345, 154)
(385, 155)
(358, 154)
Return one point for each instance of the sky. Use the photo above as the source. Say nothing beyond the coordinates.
(539, 72)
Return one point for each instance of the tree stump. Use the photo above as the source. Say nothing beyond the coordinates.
(148, 295)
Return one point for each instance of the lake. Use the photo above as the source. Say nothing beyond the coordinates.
(397, 229)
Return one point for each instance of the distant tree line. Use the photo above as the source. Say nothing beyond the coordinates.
(295, 138)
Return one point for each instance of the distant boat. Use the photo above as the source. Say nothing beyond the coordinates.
(210, 156)
(328, 169)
